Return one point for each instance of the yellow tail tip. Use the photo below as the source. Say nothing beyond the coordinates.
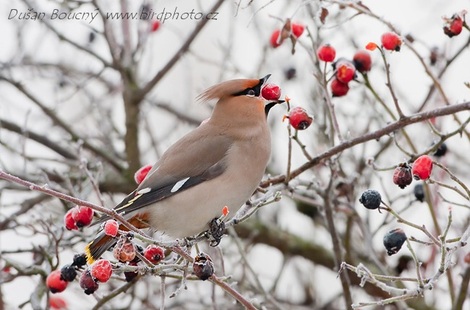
(89, 257)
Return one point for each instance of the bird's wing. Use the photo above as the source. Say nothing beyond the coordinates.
(195, 158)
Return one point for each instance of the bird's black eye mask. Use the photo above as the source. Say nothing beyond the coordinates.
(250, 92)
(253, 91)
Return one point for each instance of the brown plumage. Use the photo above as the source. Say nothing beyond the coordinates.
(220, 163)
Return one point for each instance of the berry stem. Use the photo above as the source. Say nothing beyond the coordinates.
(402, 220)
(454, 178)
(389, 84)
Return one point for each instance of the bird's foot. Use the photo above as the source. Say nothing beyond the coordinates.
(216, 231)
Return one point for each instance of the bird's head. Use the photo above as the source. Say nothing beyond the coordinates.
(241, 94)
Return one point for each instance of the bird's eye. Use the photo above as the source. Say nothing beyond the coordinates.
(250, 93)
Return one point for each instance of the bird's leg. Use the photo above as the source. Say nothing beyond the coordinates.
(216, 231)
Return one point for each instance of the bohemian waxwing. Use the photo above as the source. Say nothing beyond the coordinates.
(220, 163)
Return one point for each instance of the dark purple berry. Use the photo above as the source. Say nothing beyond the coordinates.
(393, 240)
(402, 176)
(371, 199)
(441, 150)
(79, 260)
(87, 283)
(419, 192)
(68, 273)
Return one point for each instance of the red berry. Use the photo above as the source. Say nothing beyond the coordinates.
(297, 29)
(299, 118)
(391, 41)
(87, 283)
(101, 270)
(111, 228)
(402, 175)
(82, 215)
(326, 53)
(140, 175)
(453, 26)
(69, 222)
(275, 40)
(271, 92)
(345, 71)
(57, 303)
(155, 25)
(422, 167)
(154, 254)
(55, 283)
(124, 250)
(362, 61)
(338, 89)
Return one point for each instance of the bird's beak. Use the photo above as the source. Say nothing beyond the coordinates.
(271, 104)
(263, 80)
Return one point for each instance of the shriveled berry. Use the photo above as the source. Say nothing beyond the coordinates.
(140, 175)
(55, 283)
(441, 150)
(124, 250)
(345, 71)
(203, 267)
(69, 222)
(275, 40)
(271, 92)
(453, 26)
(338, 88)
(391, 41)
(422, 167)
(402, 175)
(326, 53)
(154, 254)
(299, 118)
(68, 273)
(418, 191)
(79, 260)
(371, 199)
(111, 228)
(101, 270)
(87, 283)
(362, 61)
(393, 240)
(82, 215)
(297, 29)
(130, 275)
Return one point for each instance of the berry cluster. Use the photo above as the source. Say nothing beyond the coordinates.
(403, 176)
(344, 70)
(57, 281)
(102, 270)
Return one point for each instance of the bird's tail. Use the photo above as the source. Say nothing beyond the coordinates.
(98, 246)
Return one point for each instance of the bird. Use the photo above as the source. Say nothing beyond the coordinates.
(218, 164)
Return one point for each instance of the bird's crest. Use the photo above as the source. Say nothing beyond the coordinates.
(229, 88)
